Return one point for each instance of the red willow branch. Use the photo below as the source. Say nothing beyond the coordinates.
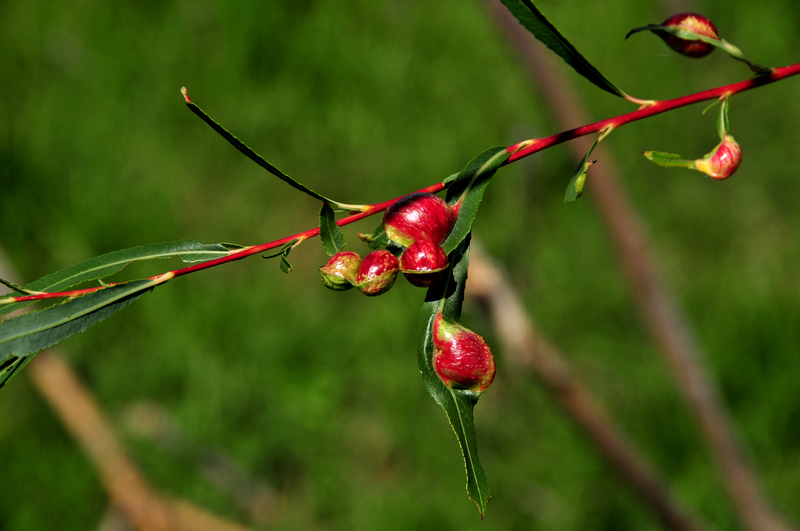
(518, 151)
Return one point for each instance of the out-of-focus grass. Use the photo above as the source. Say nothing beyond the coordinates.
(316, 393)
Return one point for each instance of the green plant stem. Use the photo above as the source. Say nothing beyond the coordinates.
(518, 151)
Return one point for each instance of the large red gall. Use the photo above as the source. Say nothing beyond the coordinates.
(419, 216)
(461, 357)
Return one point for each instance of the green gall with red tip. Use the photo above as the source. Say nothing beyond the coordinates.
(424, 263)
(461, 358)
(723, 161)
(419, 216)
(339, 273)
(694, 23)
(377, 272)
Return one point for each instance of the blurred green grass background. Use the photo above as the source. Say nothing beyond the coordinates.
(317, 394)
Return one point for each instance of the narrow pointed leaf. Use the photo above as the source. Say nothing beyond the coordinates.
(668, 160)
(329, 232)
(258, 159)
(286, 266)
(723, 126)
(23, 336)
(107, 264)
(14, 287)
(576, 184)
(283, 252)
(458, 405)
(686, 35)
(468, 186)
(535, 22)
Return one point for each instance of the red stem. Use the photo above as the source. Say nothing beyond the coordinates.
(518, 151)
(661, 106)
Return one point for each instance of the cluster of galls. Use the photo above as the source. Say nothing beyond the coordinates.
(418, 224)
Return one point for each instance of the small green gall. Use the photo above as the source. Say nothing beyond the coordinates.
(339, 273)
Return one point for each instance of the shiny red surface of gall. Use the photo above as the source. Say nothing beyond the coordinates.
(424, 263)
(696, 24)
(461, 358)
(377, 272)
(724, 161)
(419, 216)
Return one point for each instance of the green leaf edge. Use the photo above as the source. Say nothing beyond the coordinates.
(578, 180)
(329, 232)
(107, 264)
(23, 336)
(258, 159)
(722, 44)
(283, 252)
(534, 21)
(468, 186)
(458, 405)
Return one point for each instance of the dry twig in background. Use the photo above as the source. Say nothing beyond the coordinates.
(528, 351)
(130, 492)
(659, 310)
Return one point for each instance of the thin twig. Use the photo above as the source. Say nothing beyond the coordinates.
(79, 412)
(518, 151)
(660, 311)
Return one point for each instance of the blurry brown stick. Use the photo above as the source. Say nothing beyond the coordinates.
(526, 349)
(128, 489)
(659, 310)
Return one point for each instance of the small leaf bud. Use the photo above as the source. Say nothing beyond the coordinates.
(377, 272)
(340, 271)
(694, 23)
(723, 161)
(424, 263)
(461, 357)
(419, 216)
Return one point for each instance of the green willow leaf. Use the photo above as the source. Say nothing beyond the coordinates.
(258, 159)
(448, 297)
(329, 232)
(283, 252)
(535, 22)
(107, 264)
(723, 125)
(467, 187)
(576, 184)
(23, 336)
(668, 160)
